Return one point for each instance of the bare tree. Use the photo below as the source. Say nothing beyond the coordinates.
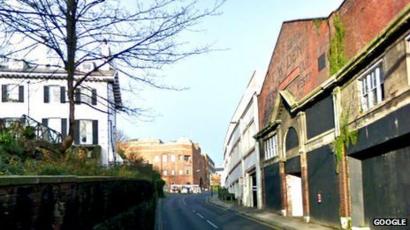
(142, 36)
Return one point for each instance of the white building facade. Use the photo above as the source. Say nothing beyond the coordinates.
(41, 94)
(242, 173)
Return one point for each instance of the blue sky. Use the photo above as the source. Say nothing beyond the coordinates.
(248, 31)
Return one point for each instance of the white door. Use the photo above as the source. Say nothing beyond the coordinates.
(294, 186)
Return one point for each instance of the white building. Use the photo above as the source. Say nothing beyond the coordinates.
(242, 173)
(41, 94)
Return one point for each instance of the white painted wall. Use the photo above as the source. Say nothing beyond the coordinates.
(240, 146)
(35, 107)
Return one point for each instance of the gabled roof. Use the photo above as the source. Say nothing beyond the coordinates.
(374, 48)
(284, 25)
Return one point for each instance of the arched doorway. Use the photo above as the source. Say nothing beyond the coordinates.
(293, 177)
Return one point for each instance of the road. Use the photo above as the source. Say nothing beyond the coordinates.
(194, 212)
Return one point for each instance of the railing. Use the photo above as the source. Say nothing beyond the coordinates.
(41, 131)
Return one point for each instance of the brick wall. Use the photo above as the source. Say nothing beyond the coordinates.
(294, 62)
(363, 20)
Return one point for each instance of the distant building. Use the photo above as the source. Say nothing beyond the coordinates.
(216, 177)
(179, 162)
(242, 173)
(210, 167)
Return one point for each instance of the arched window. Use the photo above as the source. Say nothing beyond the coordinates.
(292, 139)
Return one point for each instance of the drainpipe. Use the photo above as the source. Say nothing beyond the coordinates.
(28, 98)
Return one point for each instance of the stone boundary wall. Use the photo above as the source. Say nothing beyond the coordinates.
(68, 202)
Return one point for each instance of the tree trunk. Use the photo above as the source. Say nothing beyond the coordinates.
(70, 68)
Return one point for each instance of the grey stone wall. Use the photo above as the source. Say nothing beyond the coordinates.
(47, 202)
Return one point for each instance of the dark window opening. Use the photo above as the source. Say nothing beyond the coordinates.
(292, 139)
(321, 62)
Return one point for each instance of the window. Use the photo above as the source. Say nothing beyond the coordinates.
(10, 121)
(88, 66)
(54, 94)
(320, 117)
(86, 132)
(173, 158)
(292, 139)
(187, 171)
(372, 87)
(165, 173)
(321, 61)
(156, 159)
(172, 172)
(181, 157)
(180, 172)
(187, 158)
(56, 124)
(12, 93)
(271, 147)
(164, 158)
(86, 95)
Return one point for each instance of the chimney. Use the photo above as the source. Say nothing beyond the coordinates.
(105, 49)
(105, 53)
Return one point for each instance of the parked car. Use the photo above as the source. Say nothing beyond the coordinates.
(184, 190)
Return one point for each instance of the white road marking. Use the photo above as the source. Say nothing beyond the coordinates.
(212, 224)
(199, 214)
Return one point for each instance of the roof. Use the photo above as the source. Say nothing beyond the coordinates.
(59, 74)
(182, 140)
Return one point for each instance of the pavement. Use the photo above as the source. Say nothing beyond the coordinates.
(195, 212)
(267, 217)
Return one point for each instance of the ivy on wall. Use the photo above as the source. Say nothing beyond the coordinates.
(346, 138)
(336, 55)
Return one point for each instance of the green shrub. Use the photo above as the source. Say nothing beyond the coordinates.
(224, 194)
(21, 154)
(29, 132)
(6, 138)
(11, 165)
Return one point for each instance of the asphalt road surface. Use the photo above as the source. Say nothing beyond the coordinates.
(192, 212)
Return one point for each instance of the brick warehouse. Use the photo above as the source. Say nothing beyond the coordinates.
(179, 162)
(329, 79)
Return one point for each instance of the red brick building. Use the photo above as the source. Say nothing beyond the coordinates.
(179, 162)
(301, 43)
(350, 70)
